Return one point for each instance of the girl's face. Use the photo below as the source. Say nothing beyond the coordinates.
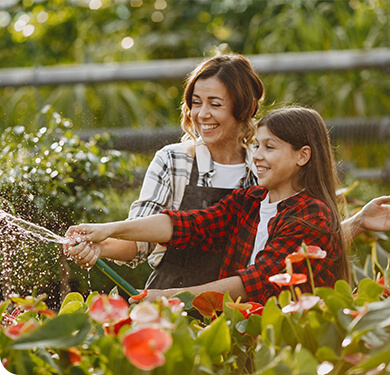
(212, 115)
(277, 163)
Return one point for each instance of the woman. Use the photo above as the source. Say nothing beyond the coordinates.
(255, 228)
(220, 99)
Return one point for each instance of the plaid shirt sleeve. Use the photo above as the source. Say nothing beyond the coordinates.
(287, 232)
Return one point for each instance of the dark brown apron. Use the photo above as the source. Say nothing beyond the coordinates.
(191, 265)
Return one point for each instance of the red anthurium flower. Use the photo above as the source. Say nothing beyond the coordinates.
(114, 328)
(138, 297)
(74, 355)
(386, 290)
(14, 331)
(313, 252)
(285, 279)
(304, 303)
(208, 303)
(246, 309)
(106, 309)
(145, 348)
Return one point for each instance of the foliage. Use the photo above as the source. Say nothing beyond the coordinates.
(332, 331)
(49, 32)
(52, 178)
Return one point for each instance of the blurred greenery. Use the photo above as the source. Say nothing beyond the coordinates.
(50, 32)
(53, 179)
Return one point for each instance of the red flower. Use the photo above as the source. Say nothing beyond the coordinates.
(304, 303)
(105, 309)
(386, 290)
(138, 297)
(16, 330)
(246, 309)
(74, 355)
(114, 328)
(207, 303)
(313, 252)
(285, 279)
(145, 347)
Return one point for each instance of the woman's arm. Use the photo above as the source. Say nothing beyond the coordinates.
(374, 216)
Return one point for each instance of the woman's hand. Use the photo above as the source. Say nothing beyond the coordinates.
(85, 254)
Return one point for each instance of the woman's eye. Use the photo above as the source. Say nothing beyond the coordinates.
(269, 147)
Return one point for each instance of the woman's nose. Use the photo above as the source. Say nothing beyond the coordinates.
(204, 111)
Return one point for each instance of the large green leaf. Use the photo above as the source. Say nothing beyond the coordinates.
(63, 331)
(216, 338)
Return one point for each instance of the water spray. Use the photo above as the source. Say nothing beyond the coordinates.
(47, 235)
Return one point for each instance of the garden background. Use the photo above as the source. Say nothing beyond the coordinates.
(52, 177)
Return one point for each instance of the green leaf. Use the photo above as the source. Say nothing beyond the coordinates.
(215, 338)
(272, 316)
(187, 298)
(73, 306)
(369, 291)
(325, 353)
(253, 326)
(376, 317)
(306, 364)
(63, 331)
(371, 363)
(72, 297)
(284, 298)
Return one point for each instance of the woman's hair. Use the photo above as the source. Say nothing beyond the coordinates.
(243, 84)
(299, 127)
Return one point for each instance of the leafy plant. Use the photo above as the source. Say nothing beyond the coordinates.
(333, 331)
(52, 178)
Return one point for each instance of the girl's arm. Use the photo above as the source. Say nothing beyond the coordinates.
(155, 228)
(232, 284)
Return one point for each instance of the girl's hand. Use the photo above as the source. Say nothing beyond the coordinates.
(88, 233)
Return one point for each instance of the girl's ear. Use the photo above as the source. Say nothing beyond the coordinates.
(304, 156)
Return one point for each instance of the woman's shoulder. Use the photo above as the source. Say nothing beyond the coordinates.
(185, 147)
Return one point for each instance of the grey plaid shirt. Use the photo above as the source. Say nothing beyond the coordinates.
(164, 184)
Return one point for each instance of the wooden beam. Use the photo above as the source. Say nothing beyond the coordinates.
(290, 62)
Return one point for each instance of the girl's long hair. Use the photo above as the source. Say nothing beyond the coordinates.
(243, 84)
(301, 126)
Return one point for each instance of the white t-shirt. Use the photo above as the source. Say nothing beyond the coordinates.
(228, 176)
(267, 212)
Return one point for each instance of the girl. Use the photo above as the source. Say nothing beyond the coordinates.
(256, 228)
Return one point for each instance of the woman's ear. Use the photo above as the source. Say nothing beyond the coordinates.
(304, 156)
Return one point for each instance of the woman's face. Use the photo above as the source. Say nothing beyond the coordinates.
(212, 114)
(277, 163)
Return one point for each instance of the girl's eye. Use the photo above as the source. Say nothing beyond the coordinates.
(216, 104)
(195, 101)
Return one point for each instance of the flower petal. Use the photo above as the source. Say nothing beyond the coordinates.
(285, 279)
(145, 347)
(208, 303)
(106, 309)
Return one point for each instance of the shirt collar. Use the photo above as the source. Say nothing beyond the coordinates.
(206, 164)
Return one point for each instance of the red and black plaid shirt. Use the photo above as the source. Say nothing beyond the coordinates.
(232, 224)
